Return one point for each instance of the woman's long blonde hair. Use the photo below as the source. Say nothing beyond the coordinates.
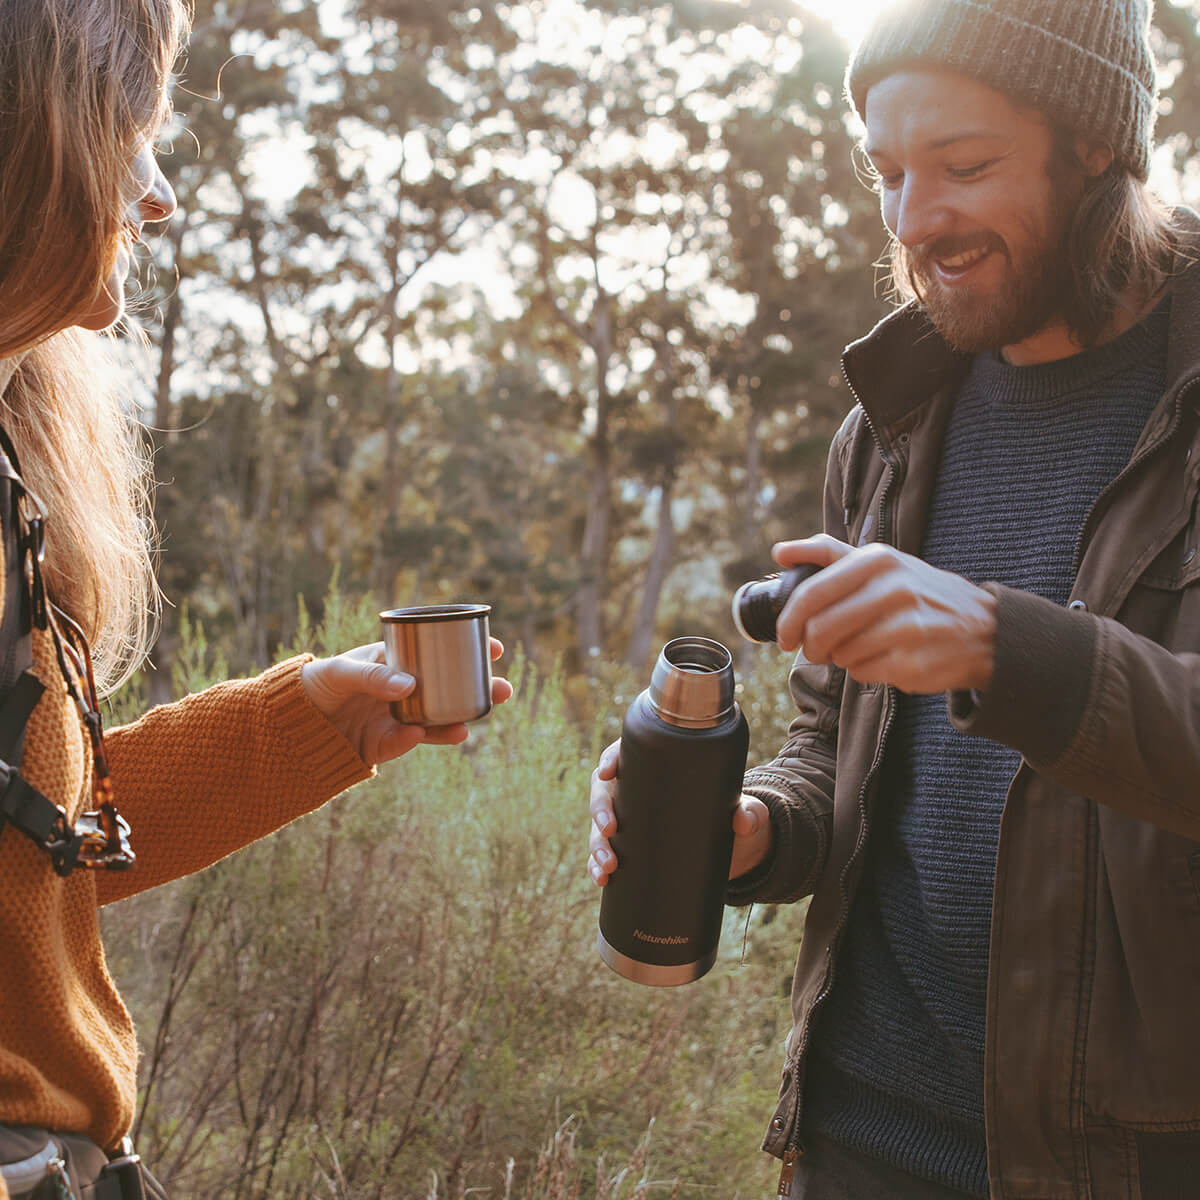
(83, 86)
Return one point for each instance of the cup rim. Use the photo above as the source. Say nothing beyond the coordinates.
(424, 613)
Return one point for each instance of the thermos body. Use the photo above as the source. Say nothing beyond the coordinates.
(677, 789)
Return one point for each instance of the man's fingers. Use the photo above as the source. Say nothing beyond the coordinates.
(821, 550)
(600, 804)
(598, 873)
(748, 818)
(609, 761)
(602, 862)
(862, 614)
(601, 850)
(854, 576)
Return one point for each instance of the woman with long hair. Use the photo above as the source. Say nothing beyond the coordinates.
(83, 94)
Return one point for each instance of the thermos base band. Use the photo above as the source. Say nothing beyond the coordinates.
(652, 974)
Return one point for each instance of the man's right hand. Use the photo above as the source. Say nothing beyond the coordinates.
(752, 832)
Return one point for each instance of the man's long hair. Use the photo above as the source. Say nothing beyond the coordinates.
(83, 86)
(1121, 244)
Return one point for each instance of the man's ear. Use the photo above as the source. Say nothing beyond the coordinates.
(1094, 157)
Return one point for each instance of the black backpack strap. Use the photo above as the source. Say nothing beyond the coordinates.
(15, 710)
(22, 805)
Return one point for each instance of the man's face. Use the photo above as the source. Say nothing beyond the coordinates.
(966, 189)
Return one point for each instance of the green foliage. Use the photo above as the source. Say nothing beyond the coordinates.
(551, 323)
(767, 703)
(399, 995)
(344, 622)
(195, 667)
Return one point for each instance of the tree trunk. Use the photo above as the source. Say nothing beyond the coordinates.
(593, 552)
(746, 654)
(172, 315)
(389, 491)
(642, 638)
(160, 433)
(593, 555)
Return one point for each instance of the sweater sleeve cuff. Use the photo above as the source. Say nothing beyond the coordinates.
(322, 754)
(1040, 681)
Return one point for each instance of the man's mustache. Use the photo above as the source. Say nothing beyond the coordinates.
(948, 245)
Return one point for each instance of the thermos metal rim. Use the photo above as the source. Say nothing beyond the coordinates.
(652, 974)
(434, 612)
(678, 650)
(692, 683)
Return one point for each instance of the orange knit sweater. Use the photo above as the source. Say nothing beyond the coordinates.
(196, 780)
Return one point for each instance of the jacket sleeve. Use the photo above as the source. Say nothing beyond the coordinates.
(797, 785)
(201, 778)
(1106, 712)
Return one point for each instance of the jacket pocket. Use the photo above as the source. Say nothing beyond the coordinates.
(1143, 1040)
(1164, 604)
(1178, 565)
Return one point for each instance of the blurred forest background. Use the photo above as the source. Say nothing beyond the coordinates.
(533, 303)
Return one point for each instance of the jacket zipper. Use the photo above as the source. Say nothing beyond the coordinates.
(793, 1148)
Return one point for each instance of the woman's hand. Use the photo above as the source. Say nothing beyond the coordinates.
(752, 832)
(354, 690)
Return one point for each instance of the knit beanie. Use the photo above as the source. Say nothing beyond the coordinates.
(1086, 64)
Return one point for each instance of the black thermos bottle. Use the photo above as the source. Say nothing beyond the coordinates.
(683, 754)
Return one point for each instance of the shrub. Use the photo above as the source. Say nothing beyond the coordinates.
(399, 995)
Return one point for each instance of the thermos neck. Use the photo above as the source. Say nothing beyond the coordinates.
(692, 683)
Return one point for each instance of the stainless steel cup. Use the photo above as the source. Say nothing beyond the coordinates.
(447, 649)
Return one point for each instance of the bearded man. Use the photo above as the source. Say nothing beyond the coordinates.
(991, 789)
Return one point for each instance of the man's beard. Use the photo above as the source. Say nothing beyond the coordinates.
(1034, 292)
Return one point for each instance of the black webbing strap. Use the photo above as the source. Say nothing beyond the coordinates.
(21, 805)
(15, 710)
(124, 1182)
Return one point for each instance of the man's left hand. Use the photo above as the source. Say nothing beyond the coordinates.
(888, 617)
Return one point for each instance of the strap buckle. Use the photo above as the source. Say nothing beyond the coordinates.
(31, 545)
(125, 1170)
(92, 833)
(63, 844)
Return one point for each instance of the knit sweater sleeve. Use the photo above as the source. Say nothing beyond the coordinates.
(205, 776)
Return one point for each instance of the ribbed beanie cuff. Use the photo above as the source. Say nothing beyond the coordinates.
(1086, 64)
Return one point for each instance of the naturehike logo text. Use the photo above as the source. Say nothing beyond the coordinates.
(660, 941)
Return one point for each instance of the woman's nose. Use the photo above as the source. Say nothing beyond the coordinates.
(159, 202)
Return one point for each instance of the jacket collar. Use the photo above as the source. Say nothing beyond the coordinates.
(903, 361)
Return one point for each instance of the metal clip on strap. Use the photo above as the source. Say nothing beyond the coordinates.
(121, 1179)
